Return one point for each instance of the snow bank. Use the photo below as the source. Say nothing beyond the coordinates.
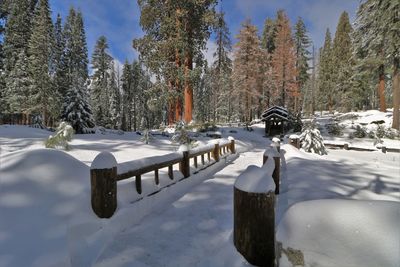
(40, 191)
(342, 233)
(255, 180)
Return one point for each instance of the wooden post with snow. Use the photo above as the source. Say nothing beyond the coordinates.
(215, 152)
(272, 153)
(103, 180)
(232, 146)
(184, 165)
(254, 216)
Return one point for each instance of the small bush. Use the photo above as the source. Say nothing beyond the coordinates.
(391, 133)
(61, 138)
(380, 131)
(312, 140)
(335, 129)
(147, 137)
(360, 132)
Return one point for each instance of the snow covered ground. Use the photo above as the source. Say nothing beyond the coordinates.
(341, 209)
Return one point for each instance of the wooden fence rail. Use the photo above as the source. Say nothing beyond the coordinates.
(106, 172)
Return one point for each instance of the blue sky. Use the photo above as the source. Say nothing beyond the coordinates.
(118, 20)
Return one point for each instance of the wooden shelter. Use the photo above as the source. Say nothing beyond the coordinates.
(276, 120)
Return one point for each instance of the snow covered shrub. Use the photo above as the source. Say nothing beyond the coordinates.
(147, 137)
(360, 132)
(181, 135)
(392, 133)
(312, 140)
(335, 129)
(61, 138)
(37, 122)
(380, 131)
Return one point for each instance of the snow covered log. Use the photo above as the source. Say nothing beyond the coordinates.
(254, 216)
(103, 180)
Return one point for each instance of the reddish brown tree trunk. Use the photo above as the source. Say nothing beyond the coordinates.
(381, 89)
(188, 94)
(396, 95)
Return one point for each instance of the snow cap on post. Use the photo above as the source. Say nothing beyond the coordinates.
(183, 148)
(104, 160)
(255, 180)
(230, 138)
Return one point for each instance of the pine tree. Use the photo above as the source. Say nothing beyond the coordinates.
(59, 66)
(19, 86)
(269, 35)
(203, 96)
(127, 96)
(302, 42)
(377, 39)
(40, 50)
(100, 91)
(221, 70)
(3, 16)
(326, 83)
(115, 102)
(341, 56)
(284, 66)
(16, 36)
(175, 35)
(76, 108)
(246, 73)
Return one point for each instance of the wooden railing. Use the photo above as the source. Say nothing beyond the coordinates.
(105, 172)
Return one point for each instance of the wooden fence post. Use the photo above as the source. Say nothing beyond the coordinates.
(103, 180)
(184, 165)
(232, 145)
(276, 174)
(346, 146)
(215, 152)
(254, 226)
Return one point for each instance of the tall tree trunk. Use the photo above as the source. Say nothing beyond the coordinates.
(381, 89)
(188, 91)
(396, 94)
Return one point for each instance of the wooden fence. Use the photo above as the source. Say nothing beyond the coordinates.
(105, 172)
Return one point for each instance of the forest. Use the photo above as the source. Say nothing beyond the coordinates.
(46, 72)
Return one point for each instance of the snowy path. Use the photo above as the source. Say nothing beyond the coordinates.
(196, 230)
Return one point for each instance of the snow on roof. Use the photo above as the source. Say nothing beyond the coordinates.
(275, 111)
(255, 180)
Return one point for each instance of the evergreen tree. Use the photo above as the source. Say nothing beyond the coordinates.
(19, 86)
(16, 36)
(302, 42)
(284, 70)
(203, 96)
(377, 36)
(341, 56)
(3, 16)
(76, 108)
(268, 35)
(326, 83)
(127, 96)
(100, 91)
(175, 35)
(246, 73)
(59, 66)
(221, 69)
(41, 46)
(115, 95)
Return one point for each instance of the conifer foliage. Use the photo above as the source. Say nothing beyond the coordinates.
(286, 91)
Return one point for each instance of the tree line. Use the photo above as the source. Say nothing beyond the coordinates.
(45, 66)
